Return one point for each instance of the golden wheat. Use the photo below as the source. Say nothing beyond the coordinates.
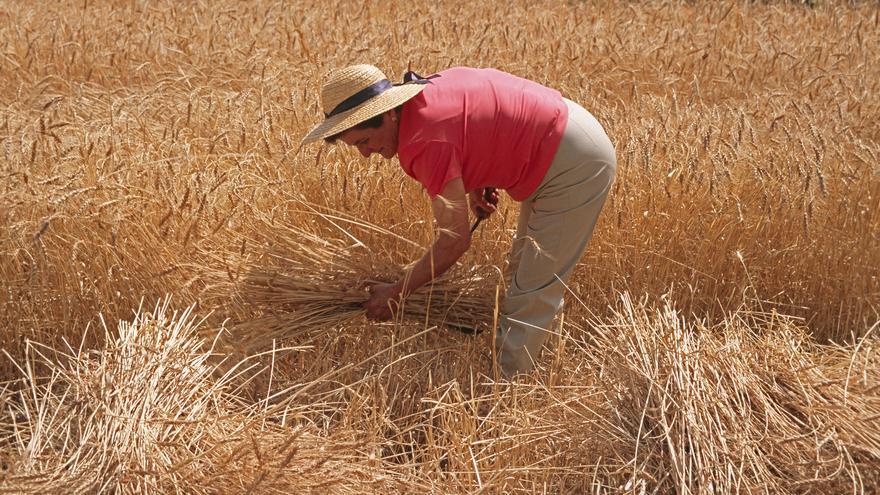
(151, 149)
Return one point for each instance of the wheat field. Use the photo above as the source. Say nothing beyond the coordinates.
(181, 280)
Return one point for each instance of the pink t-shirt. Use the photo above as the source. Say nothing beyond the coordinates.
(488, 127)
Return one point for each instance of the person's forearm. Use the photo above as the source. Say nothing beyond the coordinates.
(443, 254)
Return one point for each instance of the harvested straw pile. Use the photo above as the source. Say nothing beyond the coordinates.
(151, 414)
(749, 404)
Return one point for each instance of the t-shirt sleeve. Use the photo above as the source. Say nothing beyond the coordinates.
(434, 165)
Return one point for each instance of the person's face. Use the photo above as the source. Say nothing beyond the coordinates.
(382, 139)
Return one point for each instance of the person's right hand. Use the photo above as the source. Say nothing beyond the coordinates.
(483, 201)
(384, 299)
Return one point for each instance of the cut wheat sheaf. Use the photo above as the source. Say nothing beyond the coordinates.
(306, 281)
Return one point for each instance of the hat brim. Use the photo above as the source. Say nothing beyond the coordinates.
(389, 99)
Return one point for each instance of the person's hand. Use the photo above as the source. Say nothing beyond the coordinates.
(383, 298)
(483, 201)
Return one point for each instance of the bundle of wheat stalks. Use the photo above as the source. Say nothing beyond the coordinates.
(153, 413)
(751, 403)
(284, 280)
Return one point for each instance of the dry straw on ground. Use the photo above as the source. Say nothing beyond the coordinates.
(152, 148)
(658, 401)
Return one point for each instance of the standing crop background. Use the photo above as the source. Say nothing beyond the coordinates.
(152, 149)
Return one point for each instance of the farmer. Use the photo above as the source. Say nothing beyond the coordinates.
(463, 133)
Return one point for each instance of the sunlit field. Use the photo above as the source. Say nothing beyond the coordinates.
(181, 280)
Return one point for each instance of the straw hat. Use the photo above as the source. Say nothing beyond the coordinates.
(355, 94)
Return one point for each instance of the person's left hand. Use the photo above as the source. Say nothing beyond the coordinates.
(382, 298)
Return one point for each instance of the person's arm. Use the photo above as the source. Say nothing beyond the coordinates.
(452, 240)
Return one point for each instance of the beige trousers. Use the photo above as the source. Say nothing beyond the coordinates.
(555, 224)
